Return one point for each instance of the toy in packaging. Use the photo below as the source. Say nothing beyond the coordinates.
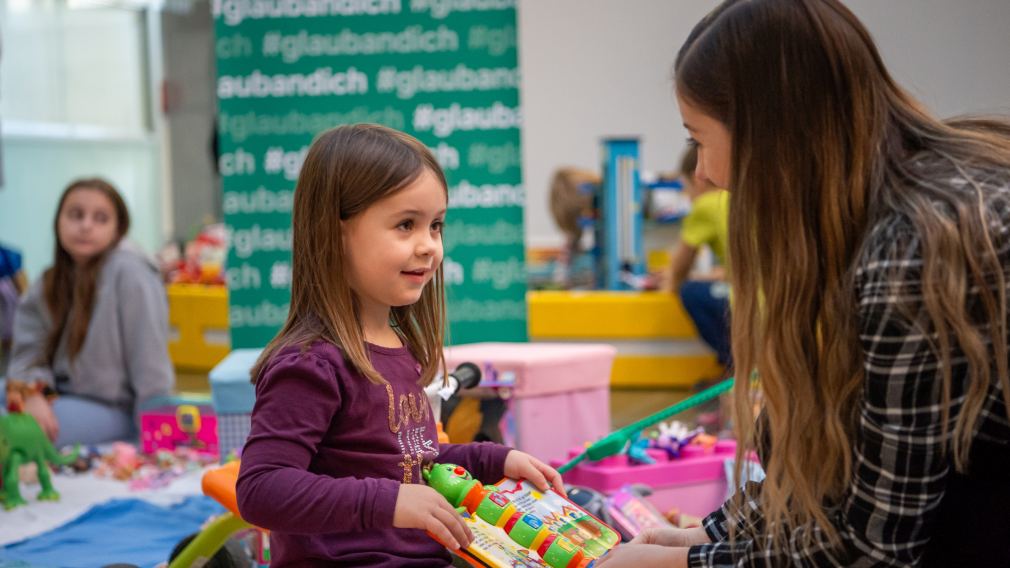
(179, 425)
(515, 525)
(626, 509)
(630, 513)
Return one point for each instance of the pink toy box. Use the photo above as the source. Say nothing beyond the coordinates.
(558, 394)
(695, 483)
(174, 425)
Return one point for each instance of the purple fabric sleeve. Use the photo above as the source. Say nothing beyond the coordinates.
(484, 460)
(276, 490)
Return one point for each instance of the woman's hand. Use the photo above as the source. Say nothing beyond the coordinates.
(421, 507)
(670, 536)
(520, 465)
(633, 555)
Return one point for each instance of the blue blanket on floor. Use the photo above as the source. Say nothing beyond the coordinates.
(120, 531)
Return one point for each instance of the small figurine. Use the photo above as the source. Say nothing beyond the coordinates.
(637, 450)
(22, 441)
(673, 436)
(486, 501)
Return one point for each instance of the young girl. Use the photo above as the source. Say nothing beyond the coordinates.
(341, 427)
(869, 258)
(95, 326)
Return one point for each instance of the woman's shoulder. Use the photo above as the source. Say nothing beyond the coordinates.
(892, 235)
(894, 232)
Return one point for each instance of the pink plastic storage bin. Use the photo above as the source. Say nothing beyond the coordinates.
(694, 483)
(560, 396)
(162, 428)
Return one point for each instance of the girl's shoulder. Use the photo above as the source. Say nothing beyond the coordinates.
(127, 260)
(319, 357)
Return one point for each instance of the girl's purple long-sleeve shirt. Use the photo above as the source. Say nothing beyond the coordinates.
(327, 453)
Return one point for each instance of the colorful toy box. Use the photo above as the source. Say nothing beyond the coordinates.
(558, 394)
(176, 424)
(233, 396)
(695, 483)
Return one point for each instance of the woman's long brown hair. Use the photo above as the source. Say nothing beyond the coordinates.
(824, 144)
(68, 288)
(347, 169)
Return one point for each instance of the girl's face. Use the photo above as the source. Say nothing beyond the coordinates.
(713, 141)
(87, 224)
(395, 245)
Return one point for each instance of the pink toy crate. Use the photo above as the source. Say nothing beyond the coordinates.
(695, 483)
(170, 426)
(559, 393)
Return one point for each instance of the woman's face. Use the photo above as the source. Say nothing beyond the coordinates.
(713, 141)
(87, 224)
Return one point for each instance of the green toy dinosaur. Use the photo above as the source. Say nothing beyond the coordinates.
(21, 442)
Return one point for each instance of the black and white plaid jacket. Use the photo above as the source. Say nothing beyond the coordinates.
(906, 504)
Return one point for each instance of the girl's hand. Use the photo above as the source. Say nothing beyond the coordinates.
(670, 536)
(36, 406)
(421, 507)
(520, 465)
(643, 556)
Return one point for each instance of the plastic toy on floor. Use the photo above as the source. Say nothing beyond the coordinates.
(496, 507)
(22, 441)
(614, 443)
(179, 421)
(209, 545)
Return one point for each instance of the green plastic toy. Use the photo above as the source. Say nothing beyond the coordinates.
(615, 442)
(496, 508)
(22, 441)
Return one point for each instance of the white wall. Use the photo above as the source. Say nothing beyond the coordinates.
(954, 56)
(74, 104)
(595, 68)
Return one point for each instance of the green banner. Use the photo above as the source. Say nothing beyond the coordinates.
(445, 71)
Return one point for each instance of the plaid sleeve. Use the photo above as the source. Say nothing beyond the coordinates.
(899, 472)
(715, 525)
(747, 518)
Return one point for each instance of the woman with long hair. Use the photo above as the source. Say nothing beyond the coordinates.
(869, 258)
(94, 328)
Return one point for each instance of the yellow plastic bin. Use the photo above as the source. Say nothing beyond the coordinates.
(657, 344)
(198, 326)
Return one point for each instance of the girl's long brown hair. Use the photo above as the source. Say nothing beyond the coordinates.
(825, 144)
(69, 289)
(347, 169)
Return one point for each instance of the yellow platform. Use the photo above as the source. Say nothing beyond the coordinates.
(198, 318)
(613, 315)
(656, 340)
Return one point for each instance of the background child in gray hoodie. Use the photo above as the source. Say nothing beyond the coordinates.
(95, 325)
